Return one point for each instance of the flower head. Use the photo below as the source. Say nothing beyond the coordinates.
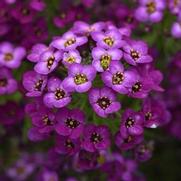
(110, 39)
(8, 84)
(103, 101)
(131, 123)
(11, 56)
(96, 138)
(48, 61)
(69, 41)
(136, 52)
(79, 78)
(102, 58)
(117, 78)
(65, 145)
(70, 122)
(34, 83)
(57, 96)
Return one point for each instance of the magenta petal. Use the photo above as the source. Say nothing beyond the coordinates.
(62, 129)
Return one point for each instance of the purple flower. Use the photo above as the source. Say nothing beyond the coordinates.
(69, 41)
(48, 61)
(11, 57)
(23, 13)
(96, 138)
(34, 83)
(139, 86)
(143, 152)
(110, 39)
(86, 160)
(155, 113)
(21, 170)
(102, 58)
(131, 123)
(70, 57)
(44, 120)
(38, 32)
(79, 78)
(128, 142)
(103, 101)
(66, 145)
(174, 6)
(70, 122)
(8, 84)
(136, 52)
(36, 51)
(150, 10)
(47, 175)
(117, 78)
(66, 17)
(57, 96)
(38, 5)
(176, 30)
(11, 113)
(83, 28)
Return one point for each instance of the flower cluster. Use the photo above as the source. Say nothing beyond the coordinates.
(81, 91)
(153, 11)
(70, 66)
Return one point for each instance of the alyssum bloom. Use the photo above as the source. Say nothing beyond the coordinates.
(79, 78)
(96, 138)
(102, 57)
(57, 96)
(10, 56)
(103, 101)
(131, 123)
(69, 41)
(34, 83)
(70, 122)
(8, 84)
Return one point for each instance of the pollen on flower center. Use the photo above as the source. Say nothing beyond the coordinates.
(117, 78)
(47, 121)
(109, 41)
(69, 42)
(105, 61)
(50, 62)
(136, 87)
(59, 94)
(3, 82)
(151, 7)
(69, 143)
(20, 170)
(8, 56)
(70, 59)
(148, 116)
(129, 122)
(80, 79)
(38, 85)
(104, 102)
(176, 2)
(128, 139)
(95, 138)
(72, 123)
(25, 11)
(135, 54)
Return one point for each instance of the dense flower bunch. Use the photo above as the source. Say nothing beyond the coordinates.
(81, 94)
(153, 11)
(70, 65)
